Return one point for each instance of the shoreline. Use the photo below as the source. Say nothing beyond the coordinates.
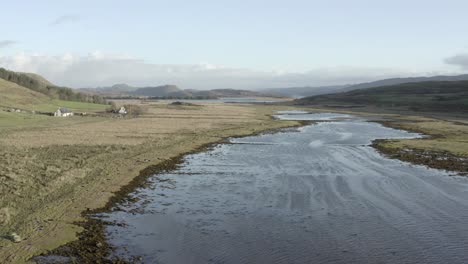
(442, 160)
(444, 147)
(61, 218)
(85, 233)
(92, 245)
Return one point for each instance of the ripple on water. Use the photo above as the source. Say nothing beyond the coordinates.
(320, 195)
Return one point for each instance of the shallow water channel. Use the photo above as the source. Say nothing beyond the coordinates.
(317, 194)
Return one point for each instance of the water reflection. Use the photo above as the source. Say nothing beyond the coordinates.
(316, 195)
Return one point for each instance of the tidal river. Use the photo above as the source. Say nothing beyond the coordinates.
(317, 194)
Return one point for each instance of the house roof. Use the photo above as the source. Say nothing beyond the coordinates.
(64, 110)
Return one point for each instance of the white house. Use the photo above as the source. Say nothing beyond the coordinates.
(122, 111)
(64, 112)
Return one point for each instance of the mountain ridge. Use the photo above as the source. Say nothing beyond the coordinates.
(396, 81)
(444, 96)
(172, 91)
(299, 92)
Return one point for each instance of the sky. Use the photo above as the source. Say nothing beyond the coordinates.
(233, 44)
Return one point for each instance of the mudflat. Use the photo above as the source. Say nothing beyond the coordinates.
(53, 169)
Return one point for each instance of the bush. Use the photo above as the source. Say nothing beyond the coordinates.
(135, 110)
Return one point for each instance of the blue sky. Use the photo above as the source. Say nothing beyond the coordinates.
(239, 44)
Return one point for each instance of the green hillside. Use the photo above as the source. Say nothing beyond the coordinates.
(160, 91)
(39, 78)
(41, 85)
(421, 96)
(15, 96)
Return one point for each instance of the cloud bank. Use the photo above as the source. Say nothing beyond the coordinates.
(7, 43)
(460, 60)
(100, 69)
(65, 19)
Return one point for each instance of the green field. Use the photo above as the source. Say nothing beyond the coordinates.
(19, 120)
(53, 104)
(19, 97)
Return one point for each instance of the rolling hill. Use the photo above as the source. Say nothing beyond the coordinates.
(396, 81)
(299, 92)
(28, 91)
(116, 88)
(176, 92)
(16, 96)
(43, 81)
(161, 91)
(441, 96)
(171, 91)
(39, 84)
(237, 93)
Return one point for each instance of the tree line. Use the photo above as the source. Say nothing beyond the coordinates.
(53, 91)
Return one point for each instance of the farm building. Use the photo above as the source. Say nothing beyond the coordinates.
(64, 112)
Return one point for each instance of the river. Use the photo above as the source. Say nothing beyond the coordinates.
(317, 194)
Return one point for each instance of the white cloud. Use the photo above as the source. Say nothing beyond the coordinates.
(65, 19)
(101, 69)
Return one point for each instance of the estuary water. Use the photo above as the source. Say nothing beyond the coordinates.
(318, 194)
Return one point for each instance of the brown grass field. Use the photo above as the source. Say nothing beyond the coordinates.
(52, 169)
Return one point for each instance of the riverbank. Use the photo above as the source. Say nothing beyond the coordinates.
(56, 169)
(444, 146)
(53, 170)
(315, 194)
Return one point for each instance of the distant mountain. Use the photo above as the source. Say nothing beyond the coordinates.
(170, 91)
(114, 90)
(298, 92)
(437, 96)
(395, 81)
(161, 91)
(121, 87)
(236, 93)
(174, 91)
